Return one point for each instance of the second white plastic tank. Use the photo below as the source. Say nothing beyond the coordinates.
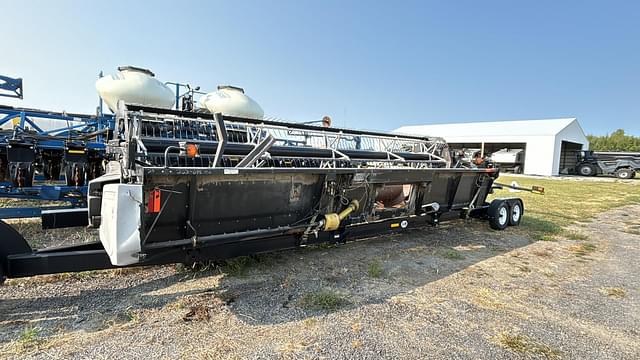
(231, 101)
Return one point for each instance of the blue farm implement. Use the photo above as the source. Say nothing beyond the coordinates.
(48, 155)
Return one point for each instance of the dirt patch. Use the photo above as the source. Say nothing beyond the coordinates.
(456, 291)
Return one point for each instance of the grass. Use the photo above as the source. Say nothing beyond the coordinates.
(326, 299)
(29, 336)
(131, 316)
(583, 249)
(614, 292)
(238, 266)
(526, 345)
(542, 253)
(574, 235)
(450, 253)
(566, 202)
(80, 275)
(488, 299)
(375, 269)
(28, 342)
(632, 229)
(310, 323)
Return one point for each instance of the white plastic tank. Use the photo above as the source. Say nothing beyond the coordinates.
(135, 86)
(231, 101)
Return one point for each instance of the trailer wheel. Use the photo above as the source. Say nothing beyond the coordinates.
(586, 170)
(625, 173)
(515, 213)
(499, 214)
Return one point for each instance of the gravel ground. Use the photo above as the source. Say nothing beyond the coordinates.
(453, 292)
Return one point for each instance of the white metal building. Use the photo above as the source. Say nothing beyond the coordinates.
(549, 144)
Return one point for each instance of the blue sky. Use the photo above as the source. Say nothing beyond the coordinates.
(366, 64)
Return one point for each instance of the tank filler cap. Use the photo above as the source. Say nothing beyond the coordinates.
(229, 87)
(138, 69)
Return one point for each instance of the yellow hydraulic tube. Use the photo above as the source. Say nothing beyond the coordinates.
(332, 220)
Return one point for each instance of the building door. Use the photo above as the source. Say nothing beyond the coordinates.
(568, 157)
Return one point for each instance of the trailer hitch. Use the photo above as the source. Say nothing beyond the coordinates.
(535, 189)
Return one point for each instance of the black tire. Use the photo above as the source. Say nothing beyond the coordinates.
(517, 169)
(633, 175)
(498, 214)
(515, 213)
(586, 170)
(625, 173)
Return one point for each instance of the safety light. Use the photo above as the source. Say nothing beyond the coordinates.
(191, 150)
(537, 189)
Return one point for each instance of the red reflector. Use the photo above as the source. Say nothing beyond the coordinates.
(154, 201)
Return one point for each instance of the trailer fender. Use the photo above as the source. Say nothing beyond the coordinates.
(12, 243)
(120, 224)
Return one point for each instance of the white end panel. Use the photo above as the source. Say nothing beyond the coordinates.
(120, 221)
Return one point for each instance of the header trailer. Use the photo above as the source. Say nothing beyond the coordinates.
(190, 187)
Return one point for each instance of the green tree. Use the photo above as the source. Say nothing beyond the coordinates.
(616, 141)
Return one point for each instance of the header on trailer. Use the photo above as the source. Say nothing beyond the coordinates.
(188, 187)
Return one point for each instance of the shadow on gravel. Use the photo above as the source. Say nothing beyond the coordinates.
(293, 286)
(92, 309)
(264, 289)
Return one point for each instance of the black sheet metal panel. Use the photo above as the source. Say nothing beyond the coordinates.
(218, 204)
(209, 201)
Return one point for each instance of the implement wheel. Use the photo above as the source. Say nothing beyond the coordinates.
(499, 214)
(586, 170)
(625, 173)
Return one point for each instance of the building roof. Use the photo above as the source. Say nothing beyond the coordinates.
(546, 127)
